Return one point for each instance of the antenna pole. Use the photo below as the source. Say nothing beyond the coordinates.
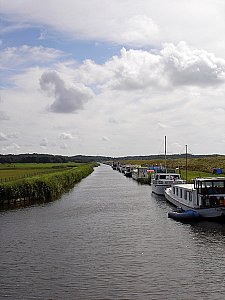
(186, 161)
(165, 154)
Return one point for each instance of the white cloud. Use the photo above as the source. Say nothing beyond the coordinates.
(3, 116)
(63, 146)
(105, 139)
(14, 27)
(129, 22)
(43, 34)
(11, 148)
(162, 126)
(66, 136)
(178, 148)
(44, 142)
(188, 66)
(13, 135)
(3, 137)
(137, 30)
(14, 57)
(173, 66)
(140, 95)
(67, 99)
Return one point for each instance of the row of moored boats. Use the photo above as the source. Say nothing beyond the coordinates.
(204, 198)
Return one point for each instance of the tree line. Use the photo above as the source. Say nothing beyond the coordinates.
(50, 158)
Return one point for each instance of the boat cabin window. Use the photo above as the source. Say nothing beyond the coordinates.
(177, 191)
(185, 194)
(181, 193)
(189, 196)
(169, 177)
(211, 187)
(219, 187)
(173, 190)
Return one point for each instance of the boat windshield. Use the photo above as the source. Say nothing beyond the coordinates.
(169, 176)
(211, 187)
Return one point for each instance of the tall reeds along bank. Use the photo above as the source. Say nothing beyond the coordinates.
(42, 188)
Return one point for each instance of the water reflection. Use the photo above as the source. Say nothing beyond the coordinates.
(209, 231)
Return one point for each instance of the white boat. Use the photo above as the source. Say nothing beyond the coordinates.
(161, 181)
(206, 196)
(163, 178)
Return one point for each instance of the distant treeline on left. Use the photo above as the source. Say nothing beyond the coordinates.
(43, 188)
(47, 158)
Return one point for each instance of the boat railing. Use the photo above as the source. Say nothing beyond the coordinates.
(168, 181)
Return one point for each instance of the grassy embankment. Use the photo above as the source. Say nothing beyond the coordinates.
(197, 167)
(43, 182)
(12, 172)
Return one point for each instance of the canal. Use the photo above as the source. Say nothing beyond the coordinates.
(109, 238)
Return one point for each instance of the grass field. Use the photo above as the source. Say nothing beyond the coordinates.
(12, 172)
(194, 174)
(47, 186)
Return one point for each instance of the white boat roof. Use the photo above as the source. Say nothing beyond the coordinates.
(187, 186)
(167, 173)
(210, 179)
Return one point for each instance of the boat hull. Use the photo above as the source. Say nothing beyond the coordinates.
(128, 174)
(159, 189)
(209, 213)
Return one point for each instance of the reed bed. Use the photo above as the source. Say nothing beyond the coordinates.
(46, 187)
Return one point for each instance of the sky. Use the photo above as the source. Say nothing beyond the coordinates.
(112, 77)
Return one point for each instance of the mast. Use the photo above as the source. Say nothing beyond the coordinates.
(165, 154)
(186, 161)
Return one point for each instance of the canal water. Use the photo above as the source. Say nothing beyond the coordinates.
(109, 238)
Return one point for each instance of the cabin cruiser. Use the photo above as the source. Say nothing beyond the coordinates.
(206, 196)
(161, 181)
(128, 171)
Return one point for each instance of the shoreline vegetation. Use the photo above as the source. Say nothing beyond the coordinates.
(43, 178)
(40, 188)
(196, 166)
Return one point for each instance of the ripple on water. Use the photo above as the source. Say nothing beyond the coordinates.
(109, 238)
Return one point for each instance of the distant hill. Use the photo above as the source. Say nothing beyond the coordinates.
(49, 158)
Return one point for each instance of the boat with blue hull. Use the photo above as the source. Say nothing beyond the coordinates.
(206, 196)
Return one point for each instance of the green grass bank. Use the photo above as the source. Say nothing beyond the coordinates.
(197, 167)
(44, 187)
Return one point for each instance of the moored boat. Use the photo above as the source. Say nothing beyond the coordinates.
(139, 173)
(161, 181)
(164, 178)
(128, 171)
(206, 196)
